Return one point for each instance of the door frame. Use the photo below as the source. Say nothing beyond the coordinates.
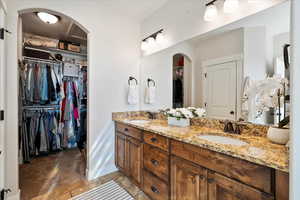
(238, 58)
(2, 101)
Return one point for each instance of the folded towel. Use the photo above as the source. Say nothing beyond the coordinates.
(150, 95)
(133, 95)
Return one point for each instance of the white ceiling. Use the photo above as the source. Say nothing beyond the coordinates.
(137, 9)
(65, 29)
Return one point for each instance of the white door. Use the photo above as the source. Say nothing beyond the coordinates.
(2, 92)
(221, 90)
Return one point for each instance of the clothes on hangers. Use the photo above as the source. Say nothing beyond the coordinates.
(70, 114)
(41, 83)
(40, 133)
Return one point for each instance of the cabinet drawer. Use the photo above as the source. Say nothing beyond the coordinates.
(156, 161)
(157, 141)
(155, 188)
(249, 173)
(129, 131)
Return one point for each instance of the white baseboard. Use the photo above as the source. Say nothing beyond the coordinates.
(95, 175)
(15, 196)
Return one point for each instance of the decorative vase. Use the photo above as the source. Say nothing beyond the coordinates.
(279, 135)
(182, 122)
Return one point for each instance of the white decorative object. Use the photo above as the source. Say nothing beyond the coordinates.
(181, 116)
(279, 135)
(182, 122)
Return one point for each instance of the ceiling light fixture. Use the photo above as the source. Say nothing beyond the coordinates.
(230, 6)
(150, 41)
(47, 18)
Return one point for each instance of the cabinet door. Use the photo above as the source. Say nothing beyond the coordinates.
(223, 188)
(135, 153)
(188, 181)
(120, 152)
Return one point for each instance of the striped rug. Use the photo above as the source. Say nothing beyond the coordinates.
(108, 191)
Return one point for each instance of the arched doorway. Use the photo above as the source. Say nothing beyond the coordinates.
(53, 77)
(182, 81)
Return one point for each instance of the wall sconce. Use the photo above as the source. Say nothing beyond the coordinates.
(211, 11)
(150, 41)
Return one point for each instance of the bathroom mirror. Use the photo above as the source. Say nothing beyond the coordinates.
(215, 69)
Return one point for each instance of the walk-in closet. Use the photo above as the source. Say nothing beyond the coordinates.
(53, 84)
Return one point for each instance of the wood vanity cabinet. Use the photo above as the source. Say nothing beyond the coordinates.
(167, 169)
(129, 154)
(188, 181)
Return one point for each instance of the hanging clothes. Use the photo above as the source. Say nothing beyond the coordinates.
(40, 133)
(70, 114)
(42, 83)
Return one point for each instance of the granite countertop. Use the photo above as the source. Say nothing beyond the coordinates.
(258, 149)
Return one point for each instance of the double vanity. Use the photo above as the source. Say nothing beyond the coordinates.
(200, 162)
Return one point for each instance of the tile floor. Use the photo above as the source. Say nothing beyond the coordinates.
(62, 176)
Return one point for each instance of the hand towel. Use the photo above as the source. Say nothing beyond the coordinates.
(150, 94)
(133, 95)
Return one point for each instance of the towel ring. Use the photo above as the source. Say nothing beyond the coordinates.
(149, 80)
(132, 78)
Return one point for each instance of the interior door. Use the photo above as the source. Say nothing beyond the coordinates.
(221, 90)
(2, 95)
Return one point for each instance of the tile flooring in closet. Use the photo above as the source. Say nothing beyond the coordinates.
(62, 176)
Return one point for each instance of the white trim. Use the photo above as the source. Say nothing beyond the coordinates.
(222, 60)
(295, 99)
(16, 196)
(238, 58)
(3, 5)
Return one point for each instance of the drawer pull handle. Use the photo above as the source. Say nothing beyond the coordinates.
(202, 177)
(153, 139)
(126, 129)
(154, 189)
(155, 162)
(210, 180)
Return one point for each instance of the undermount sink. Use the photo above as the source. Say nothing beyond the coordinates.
(139, 121)
(223, 140)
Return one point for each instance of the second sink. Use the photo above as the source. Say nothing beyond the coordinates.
(223, 140)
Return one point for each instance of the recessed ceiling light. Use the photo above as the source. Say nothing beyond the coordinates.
(47, 18)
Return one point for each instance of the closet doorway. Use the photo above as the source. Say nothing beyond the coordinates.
(182, 81)
(53, 103)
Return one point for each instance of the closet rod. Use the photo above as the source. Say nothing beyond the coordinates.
(52, 107)
(40, 60)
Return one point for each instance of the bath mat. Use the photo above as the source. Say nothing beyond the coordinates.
(108, 191)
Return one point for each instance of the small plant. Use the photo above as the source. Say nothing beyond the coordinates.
(184, 113)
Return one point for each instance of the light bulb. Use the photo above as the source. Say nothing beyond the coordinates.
(160, 38)
(230, 6)
(47, 18)
(151, 42)
(211, 13)
(144, 46)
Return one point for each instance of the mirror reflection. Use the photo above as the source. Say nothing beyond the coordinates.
(237, 72)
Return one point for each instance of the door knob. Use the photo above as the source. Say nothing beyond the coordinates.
(232, 112)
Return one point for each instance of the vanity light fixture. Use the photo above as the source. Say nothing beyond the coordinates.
(150, 41)
(229, 6)
(211, 11)
(47, 18)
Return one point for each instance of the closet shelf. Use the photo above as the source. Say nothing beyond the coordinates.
(55, 50)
